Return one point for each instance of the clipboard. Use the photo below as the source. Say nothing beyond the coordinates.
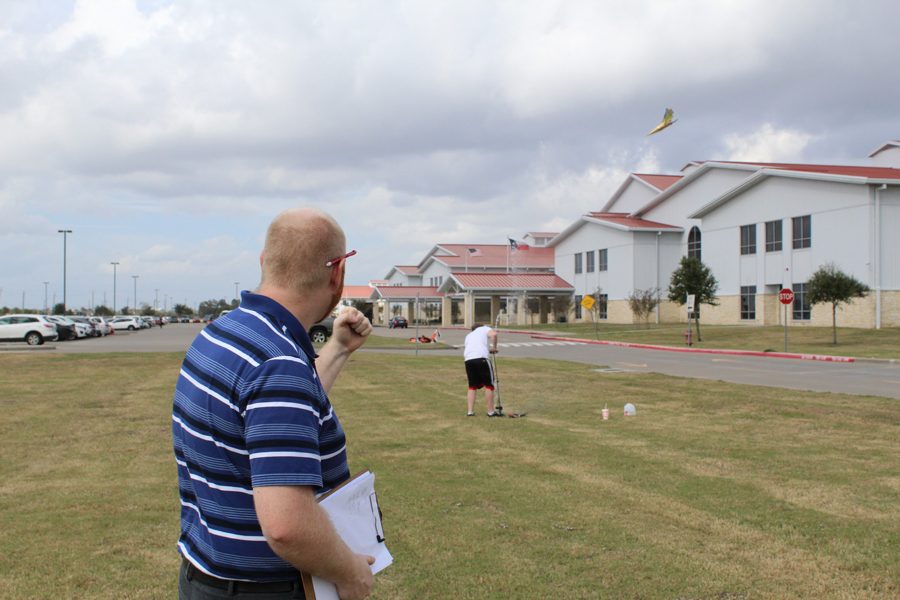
(354, 512)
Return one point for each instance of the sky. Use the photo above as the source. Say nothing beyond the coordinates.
(167, 135)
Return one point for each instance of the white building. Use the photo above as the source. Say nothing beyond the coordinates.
(758, 226)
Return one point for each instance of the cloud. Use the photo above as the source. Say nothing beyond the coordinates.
(767, 144)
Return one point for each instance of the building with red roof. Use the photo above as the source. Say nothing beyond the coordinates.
(759, 226)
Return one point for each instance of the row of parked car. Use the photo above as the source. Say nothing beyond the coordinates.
(35, 329)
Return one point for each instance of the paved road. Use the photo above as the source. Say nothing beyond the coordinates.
(863, 378)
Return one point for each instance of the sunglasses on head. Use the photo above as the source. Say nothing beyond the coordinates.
(336, 261)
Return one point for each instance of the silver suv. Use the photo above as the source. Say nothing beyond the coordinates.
(34, 330)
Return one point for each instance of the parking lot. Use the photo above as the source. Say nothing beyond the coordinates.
(175, 337)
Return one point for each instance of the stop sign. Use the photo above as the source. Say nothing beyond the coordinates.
(786, 296)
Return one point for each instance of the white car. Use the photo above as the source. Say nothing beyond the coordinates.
(126, 323)
(82, 330)
(34, 330)
(102, 325)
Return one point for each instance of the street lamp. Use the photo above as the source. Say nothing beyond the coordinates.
(65, 232)
(114, 264)
(156, 299)
(46, 283)
(135, 277)
(236, 284)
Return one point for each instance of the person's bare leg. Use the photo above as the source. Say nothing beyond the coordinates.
(470, 401)
(489, 400)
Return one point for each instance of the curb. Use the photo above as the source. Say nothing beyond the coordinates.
(818, 357)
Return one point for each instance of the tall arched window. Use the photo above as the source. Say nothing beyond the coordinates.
(693, 249)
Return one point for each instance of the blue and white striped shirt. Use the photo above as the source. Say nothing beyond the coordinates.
(249, 411)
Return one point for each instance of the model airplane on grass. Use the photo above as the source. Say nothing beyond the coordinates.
(667, 120)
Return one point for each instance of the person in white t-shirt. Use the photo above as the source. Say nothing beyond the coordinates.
(481, 342)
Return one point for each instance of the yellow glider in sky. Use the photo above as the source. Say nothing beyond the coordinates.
(667, 120)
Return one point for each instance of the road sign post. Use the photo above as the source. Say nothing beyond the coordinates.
(786, 297)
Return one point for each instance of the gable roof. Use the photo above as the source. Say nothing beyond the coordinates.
(656, 183)
(834, 173)
(489, 256)
(404, 292)
(510, 282)
(356, 292)
(619, 221)
(845, 170)
(885, 146)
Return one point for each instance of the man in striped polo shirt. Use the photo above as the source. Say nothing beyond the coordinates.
(255, 436)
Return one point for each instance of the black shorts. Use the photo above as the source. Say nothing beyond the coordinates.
(480, 374)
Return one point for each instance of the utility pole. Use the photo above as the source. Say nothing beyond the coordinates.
(114, 264)
(65, 232)
(135, 277)
(156, 299)
(46, 310)
(236, 284)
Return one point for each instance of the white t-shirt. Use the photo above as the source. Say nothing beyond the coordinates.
(477, 343)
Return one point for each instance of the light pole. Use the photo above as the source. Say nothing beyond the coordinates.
(156, 299)
(46, 283)
(65, 232)
(236, 284)
(135, 277)
(114, 264)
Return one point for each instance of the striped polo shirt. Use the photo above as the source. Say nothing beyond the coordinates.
(249, 411)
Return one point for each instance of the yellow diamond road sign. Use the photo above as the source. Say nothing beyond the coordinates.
(588, 302)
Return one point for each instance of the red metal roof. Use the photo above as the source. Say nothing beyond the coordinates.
(410, 291)
(631, 222)
(356, 292)
(660, 182)
(407, 269)
(847, 170)
(495, 255)
(512, 281)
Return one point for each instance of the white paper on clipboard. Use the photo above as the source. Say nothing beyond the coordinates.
(353, 510)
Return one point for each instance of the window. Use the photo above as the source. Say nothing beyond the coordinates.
(773, 236)
(748, 239)
(578, 305)
(693, 249)
(801, 302)
(589, 268)
(602, 306)
(748, 302)
(802, 232)
(602, 260)
(578, 263)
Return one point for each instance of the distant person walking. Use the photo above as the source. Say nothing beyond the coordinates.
(256, 438)
(481, 342)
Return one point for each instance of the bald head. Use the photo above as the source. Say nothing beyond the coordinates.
(298, 244)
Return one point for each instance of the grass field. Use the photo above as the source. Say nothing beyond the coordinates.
(862, 343)
(712, 491)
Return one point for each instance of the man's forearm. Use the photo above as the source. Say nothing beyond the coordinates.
(331, 361)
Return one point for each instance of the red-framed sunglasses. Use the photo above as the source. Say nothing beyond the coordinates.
(336, 261)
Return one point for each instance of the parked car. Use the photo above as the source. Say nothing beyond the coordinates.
(102, 325)
(34, 330)
(92, 329)
(64, 327)
(398, 323)
(321, 331)
(126, 323)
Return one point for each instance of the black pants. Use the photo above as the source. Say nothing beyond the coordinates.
(195, 585)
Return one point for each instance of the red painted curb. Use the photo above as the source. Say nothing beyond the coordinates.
(819, 357)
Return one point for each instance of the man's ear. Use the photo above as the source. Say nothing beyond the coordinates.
(262, 258)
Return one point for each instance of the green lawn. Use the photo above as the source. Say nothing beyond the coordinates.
(712, 491)
(862, 343)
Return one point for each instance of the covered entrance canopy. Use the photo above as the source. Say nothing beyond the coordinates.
(416, 303)
(486, 296)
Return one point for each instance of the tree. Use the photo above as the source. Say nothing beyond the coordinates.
(183, 310)
(643, 302)
(213, 307)
(830, 284)
(148, 311)
(561, 305)
(693, 277)
(103, 311)
(59, 308)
